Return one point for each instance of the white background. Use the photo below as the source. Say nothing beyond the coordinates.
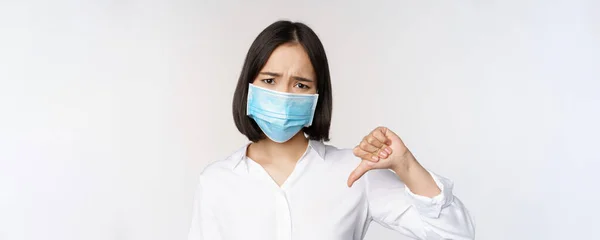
(110, 109)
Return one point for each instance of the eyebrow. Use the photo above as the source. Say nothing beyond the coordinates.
(279, 75)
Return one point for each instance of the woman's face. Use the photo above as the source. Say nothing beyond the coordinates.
(288, 70)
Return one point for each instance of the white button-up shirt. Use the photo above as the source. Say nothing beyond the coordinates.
(237, 199)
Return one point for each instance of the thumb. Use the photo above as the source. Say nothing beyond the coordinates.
(362, 168)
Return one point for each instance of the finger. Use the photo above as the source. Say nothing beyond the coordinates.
(390, 135)
(383, 132)
(365, 155)
(362, 168)
(375, 140)
(376, 151)
(364, 145)
(380, 136)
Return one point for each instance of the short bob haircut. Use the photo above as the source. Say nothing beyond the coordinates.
(273, 36)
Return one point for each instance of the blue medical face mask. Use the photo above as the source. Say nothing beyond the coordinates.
(280, 115)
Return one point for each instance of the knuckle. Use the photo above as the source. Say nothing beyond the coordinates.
(380, 135)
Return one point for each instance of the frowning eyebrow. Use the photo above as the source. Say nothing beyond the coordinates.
(272, 74)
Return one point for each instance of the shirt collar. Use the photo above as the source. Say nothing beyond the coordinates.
(239, 156)
(318, 147)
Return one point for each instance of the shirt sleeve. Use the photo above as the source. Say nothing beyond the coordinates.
(394, 206)
(204, 225)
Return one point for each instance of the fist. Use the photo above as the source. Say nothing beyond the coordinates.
(381, 149)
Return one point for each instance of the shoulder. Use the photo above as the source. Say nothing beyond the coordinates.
(340, 156)
(335, 153)
(223, 167)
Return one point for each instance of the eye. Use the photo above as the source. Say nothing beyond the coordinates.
(269, 81)
(302, 86)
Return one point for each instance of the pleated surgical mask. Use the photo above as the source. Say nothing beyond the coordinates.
(280, 115)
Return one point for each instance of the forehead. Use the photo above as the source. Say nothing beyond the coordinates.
(290, 58)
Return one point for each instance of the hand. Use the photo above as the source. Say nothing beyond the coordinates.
(381, 149)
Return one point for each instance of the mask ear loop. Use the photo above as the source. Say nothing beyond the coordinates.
(248, 100)
(314, 108)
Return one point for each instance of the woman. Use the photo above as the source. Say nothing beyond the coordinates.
(287, 184)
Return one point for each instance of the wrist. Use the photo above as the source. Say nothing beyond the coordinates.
(416, 177)
(405, 164)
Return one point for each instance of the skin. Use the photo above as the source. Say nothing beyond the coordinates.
(289, 70)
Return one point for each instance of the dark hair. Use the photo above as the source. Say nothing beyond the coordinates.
(274, 35)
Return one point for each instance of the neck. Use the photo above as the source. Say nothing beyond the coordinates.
(274, 152)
